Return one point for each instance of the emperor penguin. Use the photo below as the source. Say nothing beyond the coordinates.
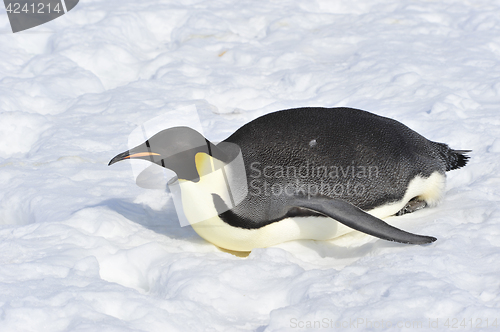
(306, 173)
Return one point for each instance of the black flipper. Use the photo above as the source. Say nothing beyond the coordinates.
(359, 220)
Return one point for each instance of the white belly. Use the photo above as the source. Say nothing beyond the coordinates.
(197, 197)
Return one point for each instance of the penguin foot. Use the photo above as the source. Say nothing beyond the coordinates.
(413, 205)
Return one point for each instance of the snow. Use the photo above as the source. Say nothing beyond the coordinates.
(82, 248)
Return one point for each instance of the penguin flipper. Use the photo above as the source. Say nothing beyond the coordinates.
(359, 220)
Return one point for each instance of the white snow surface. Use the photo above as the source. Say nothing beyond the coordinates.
(83, 248)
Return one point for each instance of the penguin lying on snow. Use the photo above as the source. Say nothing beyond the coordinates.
(309, 173)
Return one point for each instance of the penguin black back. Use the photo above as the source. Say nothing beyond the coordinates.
(344, 153)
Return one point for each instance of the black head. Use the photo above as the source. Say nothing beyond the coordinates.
(174, 148)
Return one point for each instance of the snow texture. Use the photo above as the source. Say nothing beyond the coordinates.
(83, 248)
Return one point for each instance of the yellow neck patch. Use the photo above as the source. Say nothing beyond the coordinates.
(206, 164)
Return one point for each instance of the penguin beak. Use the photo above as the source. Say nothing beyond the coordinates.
(127, 155)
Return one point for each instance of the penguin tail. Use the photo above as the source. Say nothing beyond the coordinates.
(454, 159)
(458, 158)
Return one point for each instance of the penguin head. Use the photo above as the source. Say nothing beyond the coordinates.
(176, 149)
